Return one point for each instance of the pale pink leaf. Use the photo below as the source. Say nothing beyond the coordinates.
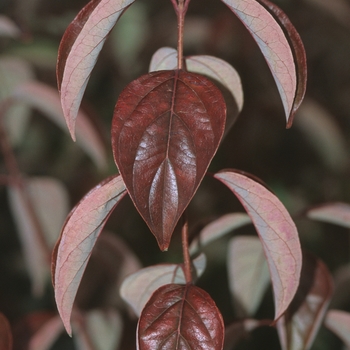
(219, 70)
(248, 273)
(138, 287)
(276, 231)
(88, 31)
(298, 327)
(334, 213)
(274, 45)
(78, 237)
(104, 329)
(47, 335)
(339, 323)
(218, 228)
(47, 101)
(8, 28)
(164, 58)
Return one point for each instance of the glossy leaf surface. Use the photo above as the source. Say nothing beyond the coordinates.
(298, 327)
(289, 74)
(334, 213)
(276, 231)
(78, 237)
(180, 317)
(5, 333)
(79, 50)
(166, 128)
(149, 279)
(339, 322)
(248, 273)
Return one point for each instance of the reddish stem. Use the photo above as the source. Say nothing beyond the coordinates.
(185, 249)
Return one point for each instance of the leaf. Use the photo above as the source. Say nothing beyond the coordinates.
(5, 333)
(339, 323)
(166, 59)
(276, 231)
(47, 335)
(151, 278)
(47, 101)
(334, 213)
(248, 272)
(8, 28)
(166, 129)
(79, 234)
(218, 228)
(79, 50)
(267, 23)
(180, 317)
(298, 327)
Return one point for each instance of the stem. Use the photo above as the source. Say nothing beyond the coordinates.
(16, 180)
(185, 251)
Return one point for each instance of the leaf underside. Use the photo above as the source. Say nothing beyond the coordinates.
(167, 126)
(180, 317)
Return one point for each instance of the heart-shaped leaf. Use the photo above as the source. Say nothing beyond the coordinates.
(78, 237)
(166, 128)
(180, 317)
(276, 231)
(339, 322)
(268, 24)
(79, 50)
(298, 327)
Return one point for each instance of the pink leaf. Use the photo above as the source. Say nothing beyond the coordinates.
(298, 327)
(276, 231)
(164, 58)
(8, 28)
(78, 237)
(79, 50)
(151, 278)
(248, 272)
(335, 213)
(47, 101)
(339, 323)
(268, 32)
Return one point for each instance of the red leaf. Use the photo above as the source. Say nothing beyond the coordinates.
(267, 24)
(277, 233)
(5, 333)
(180, 317)
(78, 237)
(298, 327)
(166, 129)
(79, 50)
(339, 322)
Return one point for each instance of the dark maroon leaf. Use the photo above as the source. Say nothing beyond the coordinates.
(166, 128)
(180, 317)
(5, 333)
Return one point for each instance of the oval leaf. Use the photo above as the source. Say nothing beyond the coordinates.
(180, 317)
(333, 213)
(78, 237)
(5, 333)
(298, 327)
(166, 129)
(47, 101)
(289, 74)
(339, 322)
(151, 278)
(248, 272)
(276, 231)
(79, 50)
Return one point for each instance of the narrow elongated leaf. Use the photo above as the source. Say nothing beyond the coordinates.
(334, 213)
(298, 327)
(339, 323)
(248, 273)
(151, 278)
(219, 228)
(180, 317)
(166, 129)
(47, 101)
(79, 50)
(276, 231)
(289, 73)
(77, 240)
(5, 333)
